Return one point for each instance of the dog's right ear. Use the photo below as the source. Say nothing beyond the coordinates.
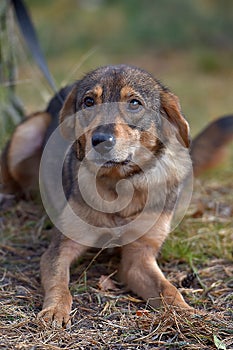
(171, 106)
(67, 115)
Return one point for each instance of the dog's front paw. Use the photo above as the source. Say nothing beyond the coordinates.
(171, 296)
(56, 308)
(56, 316)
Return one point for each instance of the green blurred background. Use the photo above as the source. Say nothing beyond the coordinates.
(187, 44)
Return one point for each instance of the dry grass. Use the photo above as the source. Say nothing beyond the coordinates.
(115, 319)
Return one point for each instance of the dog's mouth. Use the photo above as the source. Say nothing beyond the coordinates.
(114, 163)
(111, 163)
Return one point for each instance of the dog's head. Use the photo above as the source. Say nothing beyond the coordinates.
(117, 112)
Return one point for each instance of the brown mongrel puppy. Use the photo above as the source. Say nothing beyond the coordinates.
(109, 146)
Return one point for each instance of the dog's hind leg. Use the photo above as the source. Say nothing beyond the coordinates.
(209, 147)
(21, 157)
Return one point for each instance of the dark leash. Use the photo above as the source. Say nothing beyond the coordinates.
(29, 33)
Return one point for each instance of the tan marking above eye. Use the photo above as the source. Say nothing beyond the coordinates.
(127, 92)
(97, 91)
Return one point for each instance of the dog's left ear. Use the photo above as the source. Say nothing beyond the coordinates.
(170, 105)
(67, 115)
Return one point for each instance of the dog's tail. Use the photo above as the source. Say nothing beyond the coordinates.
(208, 147)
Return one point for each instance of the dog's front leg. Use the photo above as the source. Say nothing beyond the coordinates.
(55, 265)
(141, 273)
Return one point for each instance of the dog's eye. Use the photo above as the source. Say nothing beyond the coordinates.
(89, 101)
(134, 104)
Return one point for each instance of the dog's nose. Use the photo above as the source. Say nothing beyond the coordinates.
(103, 142)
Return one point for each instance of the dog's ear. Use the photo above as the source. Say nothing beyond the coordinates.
(171, 107)
(67, 115)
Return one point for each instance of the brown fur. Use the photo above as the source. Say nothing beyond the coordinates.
(209, 147)
(138, 269)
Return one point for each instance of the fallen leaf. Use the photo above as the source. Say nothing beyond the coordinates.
(142, 312)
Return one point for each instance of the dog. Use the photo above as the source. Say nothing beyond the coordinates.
(125, 126)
